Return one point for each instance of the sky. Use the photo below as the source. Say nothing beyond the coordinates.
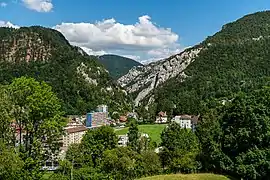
(144, 30)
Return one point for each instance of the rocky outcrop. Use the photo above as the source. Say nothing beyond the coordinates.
(83, 70)
(25, 47)
(142, 80)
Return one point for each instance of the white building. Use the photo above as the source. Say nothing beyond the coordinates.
(102, 108)
(161, 118)
(186, 121)
(122, 140)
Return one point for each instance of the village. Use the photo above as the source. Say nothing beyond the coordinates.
(77, 126)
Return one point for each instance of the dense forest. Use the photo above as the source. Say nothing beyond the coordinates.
(235, 59)
(117, 65)
(81, 83)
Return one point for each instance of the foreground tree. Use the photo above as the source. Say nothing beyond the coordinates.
(75, 155)
(239, 140)
(10, 163)
(6, 132)
(150, 163)
(133, 136)
(120, 163)
(180, 148)
(37, 111)
(95, 142)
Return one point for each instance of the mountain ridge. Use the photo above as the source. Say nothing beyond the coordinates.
(232, 60)
(117, 65)
(79, 80)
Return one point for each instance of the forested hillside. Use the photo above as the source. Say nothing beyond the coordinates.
(117, 65)
(235, 59)
(44, 54)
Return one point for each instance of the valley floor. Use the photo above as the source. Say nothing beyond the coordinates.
(153, 130)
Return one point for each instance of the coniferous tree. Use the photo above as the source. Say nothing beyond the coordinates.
(133, 135)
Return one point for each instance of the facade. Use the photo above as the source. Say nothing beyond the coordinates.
(102, 108)
(186, 121)
(122, 140)
(161, 118)
(98, 118)
(73, 135)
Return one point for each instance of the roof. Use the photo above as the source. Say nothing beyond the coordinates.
(193, 118)
(76, 129)
(162, 114)
(123, 118)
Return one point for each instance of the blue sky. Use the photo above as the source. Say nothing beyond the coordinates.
(141, 29)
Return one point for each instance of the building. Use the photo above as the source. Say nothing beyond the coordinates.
(122, 140)
(102, 108)
(77, 118)
(133, 115)
(186, 121)
(161, 118)
(123, 119)
(73, 135)
(98, 118)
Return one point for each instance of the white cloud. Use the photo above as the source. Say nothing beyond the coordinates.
(142, 40)
(91, 52)
(3, 4)
(39, 5)
(8, 24)
(134, 57)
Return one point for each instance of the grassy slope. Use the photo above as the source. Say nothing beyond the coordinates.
(153, 131)
(187, 177)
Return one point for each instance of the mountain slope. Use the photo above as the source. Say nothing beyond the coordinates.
(117, 65)
(235, 59)
(140, 81)
(78, 79)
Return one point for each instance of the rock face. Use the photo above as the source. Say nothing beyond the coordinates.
(142, 80)
(26, 46)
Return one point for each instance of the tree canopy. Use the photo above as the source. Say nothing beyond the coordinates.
(235, 138)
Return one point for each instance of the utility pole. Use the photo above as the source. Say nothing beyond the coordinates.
(71, 174)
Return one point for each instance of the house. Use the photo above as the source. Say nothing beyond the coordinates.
(132, 115)
(161, 118)
(123, 118)
(186, 121)
(122, 140)
(102, 108)
(77, 118)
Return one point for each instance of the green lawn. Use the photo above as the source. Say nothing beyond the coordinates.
(153, 130)
(187, 177)
(46, 175)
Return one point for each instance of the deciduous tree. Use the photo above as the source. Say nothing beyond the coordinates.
(37, 111)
